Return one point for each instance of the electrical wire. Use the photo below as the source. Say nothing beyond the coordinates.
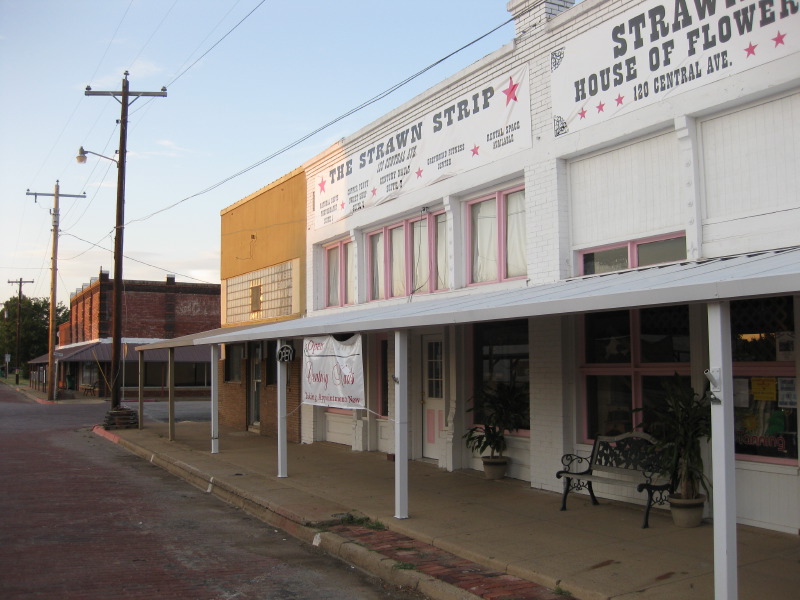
(307, 136)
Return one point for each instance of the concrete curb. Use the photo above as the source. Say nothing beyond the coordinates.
(387, 569)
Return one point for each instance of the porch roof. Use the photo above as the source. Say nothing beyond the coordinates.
(747, 275)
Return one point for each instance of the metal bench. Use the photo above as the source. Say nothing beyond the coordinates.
(627, 460)
(90, 389)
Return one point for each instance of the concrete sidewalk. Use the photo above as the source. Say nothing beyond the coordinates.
(465, 534)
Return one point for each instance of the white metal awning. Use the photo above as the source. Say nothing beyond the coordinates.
(742, 276)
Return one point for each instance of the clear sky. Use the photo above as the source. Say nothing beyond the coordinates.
(287, 69)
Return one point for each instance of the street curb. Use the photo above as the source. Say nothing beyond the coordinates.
(370, 561)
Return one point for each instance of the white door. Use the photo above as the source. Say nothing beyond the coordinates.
(254, 408)
(433, 413)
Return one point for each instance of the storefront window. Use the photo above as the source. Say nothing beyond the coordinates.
(628, 357)
(501, 356)
(764, 383)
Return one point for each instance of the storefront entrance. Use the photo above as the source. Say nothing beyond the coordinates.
(254, 396)
(433, 406)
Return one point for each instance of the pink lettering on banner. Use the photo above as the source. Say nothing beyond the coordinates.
(313, 346)
(343, 375)
(313, 376)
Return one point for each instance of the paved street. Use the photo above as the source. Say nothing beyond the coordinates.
(82, 518)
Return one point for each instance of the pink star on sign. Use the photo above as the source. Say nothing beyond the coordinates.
(778, 39)
(619, 99)
(751, 50)
(475, 149)
(321, 185)
(511, 91)
(600, 107)
(374, 191)
(582, 113)
(419, 172)
(342, 204)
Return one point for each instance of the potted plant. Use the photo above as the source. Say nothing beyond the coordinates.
(678, 424)
(501, 407)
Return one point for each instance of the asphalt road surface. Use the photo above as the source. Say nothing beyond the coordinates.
(82, 518)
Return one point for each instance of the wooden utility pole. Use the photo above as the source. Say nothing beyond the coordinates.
(123, 97)
(20, 283)
(52, 376)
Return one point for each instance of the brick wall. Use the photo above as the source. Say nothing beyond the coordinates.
(269, 405)
(232, 399)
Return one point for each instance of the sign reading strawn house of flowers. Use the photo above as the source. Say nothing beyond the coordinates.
(486, 123)
(663, 48)
(332, 372)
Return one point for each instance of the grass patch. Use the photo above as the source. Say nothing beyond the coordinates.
(363, 522)
(404, 566)
(559, 591)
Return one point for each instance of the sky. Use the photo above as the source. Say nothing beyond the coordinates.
(244, 78)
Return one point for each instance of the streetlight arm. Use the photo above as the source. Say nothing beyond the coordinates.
(81, 158)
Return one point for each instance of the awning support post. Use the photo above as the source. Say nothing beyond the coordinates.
(214, 399)
(141, 390)
(171, 392)
(281, 380)
(401, 425)
(722, 451)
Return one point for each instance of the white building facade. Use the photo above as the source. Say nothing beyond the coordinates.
(560, 215)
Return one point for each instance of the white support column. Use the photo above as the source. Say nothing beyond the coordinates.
(171, 392)
(720, 374)
(214, 399)
(401, 425)
(283, 462)
(141, 390)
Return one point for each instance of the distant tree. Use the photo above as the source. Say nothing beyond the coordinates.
(34, 328)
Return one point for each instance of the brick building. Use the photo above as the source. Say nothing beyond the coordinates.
(152, 310)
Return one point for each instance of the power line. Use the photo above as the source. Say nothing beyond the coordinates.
(302, 139)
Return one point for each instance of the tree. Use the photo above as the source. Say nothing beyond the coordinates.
(34, 328)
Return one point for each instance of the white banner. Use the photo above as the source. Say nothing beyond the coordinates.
(333, 372)
(662, 48)
(491, 121)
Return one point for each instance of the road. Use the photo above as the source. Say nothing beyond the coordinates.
(83, 518)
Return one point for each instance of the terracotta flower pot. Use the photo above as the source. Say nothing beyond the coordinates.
(687, 512)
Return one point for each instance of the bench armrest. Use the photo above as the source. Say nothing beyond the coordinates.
(574, 465)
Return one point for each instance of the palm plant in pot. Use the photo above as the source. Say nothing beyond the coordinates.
(500, 407)
(678, 424)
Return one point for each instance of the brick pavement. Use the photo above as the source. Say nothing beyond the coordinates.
(459, 572)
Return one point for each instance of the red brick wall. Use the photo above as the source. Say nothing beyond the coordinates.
(269, 405)
(232, 399)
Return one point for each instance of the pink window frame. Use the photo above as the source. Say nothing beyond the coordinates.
(340, 245)
(406, 224)
(635, 369)
(502, 250)
(633, 261)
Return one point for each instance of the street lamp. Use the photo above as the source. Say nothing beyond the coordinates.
(81, 158)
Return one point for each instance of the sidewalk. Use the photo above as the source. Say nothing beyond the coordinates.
(466, 536)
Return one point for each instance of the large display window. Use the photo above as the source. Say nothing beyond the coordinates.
(764, 383)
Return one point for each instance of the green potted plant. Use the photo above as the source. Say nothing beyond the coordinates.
(500, 407)
(678, 424)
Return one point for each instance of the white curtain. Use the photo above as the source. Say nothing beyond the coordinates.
(333, 276)
(484, 241)
(442, 264)
(376, 253)
(515, 235)
(420, 256)
(350, 273)
(397, 237)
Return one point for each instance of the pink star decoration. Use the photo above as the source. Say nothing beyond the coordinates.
(419, 172)
(619, 99)
(374, 191)
(751, 50)
(600, 107)
(321, 185)
(475, 149)
(778, 39)
(582, 113)
(511, 91)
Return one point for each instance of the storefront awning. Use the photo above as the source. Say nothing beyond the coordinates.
(743, 276)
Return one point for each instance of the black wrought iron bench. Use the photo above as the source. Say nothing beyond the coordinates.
(628, 460)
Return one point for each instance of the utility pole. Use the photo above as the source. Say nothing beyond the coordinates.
(19, 282)
(52, 376)
(123, 97)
